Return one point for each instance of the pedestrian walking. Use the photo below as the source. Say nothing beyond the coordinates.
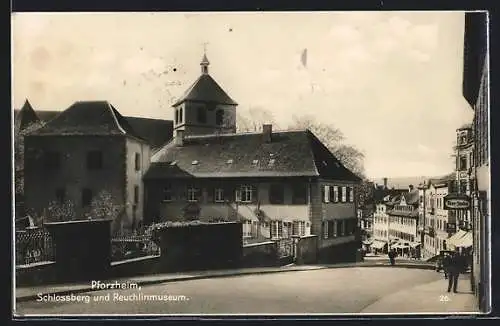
(392, 257)
(456, 266)
(446, 264)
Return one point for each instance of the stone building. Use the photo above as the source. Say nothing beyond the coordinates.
(90, 158)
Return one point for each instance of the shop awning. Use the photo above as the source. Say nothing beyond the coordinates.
(465, 241)
(414, 244)
(455, 238)
(378, 244)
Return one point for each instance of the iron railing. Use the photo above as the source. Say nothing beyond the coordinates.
(33, 246)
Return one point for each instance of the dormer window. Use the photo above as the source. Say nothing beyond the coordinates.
(195, 162)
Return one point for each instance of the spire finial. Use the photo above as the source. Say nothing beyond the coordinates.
(204, 62)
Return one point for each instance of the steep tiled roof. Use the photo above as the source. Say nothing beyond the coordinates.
(156, 132)
(206, 89)
(412, 197)
(26, 116)
(88, 118)
(294, 153)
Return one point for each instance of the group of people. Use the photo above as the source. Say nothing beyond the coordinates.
(454, 264)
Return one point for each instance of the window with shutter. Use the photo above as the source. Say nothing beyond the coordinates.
(295, 228)
(280, 229)
(344, 194)
(332, 194)
(325, 230)
(336, 194)
(302, 228)
(330, 229)
(219, 195)
(193, 194)
(326, 194)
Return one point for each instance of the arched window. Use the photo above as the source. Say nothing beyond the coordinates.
(202, 115)
(219, 117)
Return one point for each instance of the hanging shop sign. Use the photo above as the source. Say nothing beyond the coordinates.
(457, 202)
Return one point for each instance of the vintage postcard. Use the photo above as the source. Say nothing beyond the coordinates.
(251, 163)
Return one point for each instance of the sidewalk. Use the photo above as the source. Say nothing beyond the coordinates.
(429, 298)
(30, 293)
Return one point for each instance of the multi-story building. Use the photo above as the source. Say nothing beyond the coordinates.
(278, 183)
(381, 227)
(86, 162)
(445, 220)
(429, 215)
(464, 160)
(476, 92)
(403, 220)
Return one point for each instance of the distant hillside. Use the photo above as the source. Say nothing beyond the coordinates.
(403, 182)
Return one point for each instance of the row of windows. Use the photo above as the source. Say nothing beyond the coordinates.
(94, 160)
(381, 233)
(275, 229)
(337, 194)
(439, 224)
(87, 195)
(402, 220)
(243, 194)
(380, 219)
(435, 243)
(402, 235)
(201, 115)
(339, 228)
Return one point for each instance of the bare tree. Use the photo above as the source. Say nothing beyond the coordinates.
(253, 118)
(333, 138)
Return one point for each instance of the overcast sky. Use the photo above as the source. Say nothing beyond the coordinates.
(391, 81)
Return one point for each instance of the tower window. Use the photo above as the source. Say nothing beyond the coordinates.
(202, 115)
(180, 115)
(176, 117)
(219, 117)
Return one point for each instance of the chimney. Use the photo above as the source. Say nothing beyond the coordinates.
(385, 183)
(179, 137)
(267, 131)
(410, 187)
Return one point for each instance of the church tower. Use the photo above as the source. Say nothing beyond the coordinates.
(205, 108)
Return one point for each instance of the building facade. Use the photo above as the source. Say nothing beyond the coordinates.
(86, 163)
(476, 92)
(380, 228)
(464, 162)
(403, 221)
(277, 183)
